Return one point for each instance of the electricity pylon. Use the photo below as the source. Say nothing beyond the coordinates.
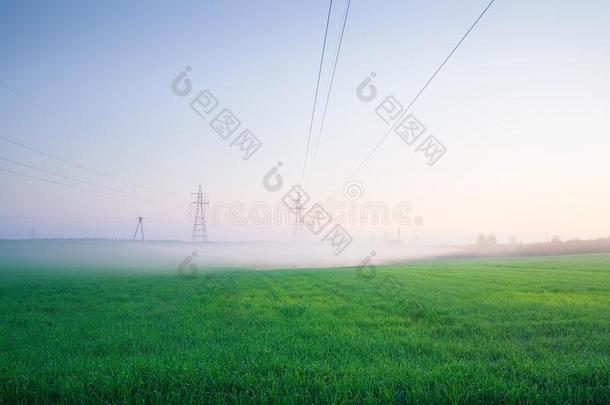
(298, 232)
(139, 227)
(200, 232)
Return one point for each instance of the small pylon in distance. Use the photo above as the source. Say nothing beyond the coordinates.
(140, 227)
(200, 232)
(298, 231)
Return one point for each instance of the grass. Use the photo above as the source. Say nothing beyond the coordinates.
(533, 330)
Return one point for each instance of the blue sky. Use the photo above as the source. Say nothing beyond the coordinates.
(522, 107)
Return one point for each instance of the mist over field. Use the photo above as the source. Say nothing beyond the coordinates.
(166, 257)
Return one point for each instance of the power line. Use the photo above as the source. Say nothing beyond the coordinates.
(85, 219)
(67, 162)
(139, 196)
(74, 126)
(330, 89)
(422, 90)
(109, 193)
(313, 111)
(61, 118)
(62, 219)
(52, 181)
(59, 175)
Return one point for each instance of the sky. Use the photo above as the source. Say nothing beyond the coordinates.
(522, 108)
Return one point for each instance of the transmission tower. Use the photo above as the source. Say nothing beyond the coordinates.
(298, 232)
(140, 227)
(200, 232)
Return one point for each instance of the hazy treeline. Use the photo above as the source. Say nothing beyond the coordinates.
(556, 247)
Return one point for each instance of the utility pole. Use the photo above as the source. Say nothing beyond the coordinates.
(200, 232)
(140, 227)
(32, 233)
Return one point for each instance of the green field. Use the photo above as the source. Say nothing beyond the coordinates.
(460, 331)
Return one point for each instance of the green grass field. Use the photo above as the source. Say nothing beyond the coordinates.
(462, 331)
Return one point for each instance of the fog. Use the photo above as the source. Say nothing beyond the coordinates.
(164, 257)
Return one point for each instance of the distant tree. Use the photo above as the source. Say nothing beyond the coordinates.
(487, 240)
(491, 239)
(513, 240)
(556, 239)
